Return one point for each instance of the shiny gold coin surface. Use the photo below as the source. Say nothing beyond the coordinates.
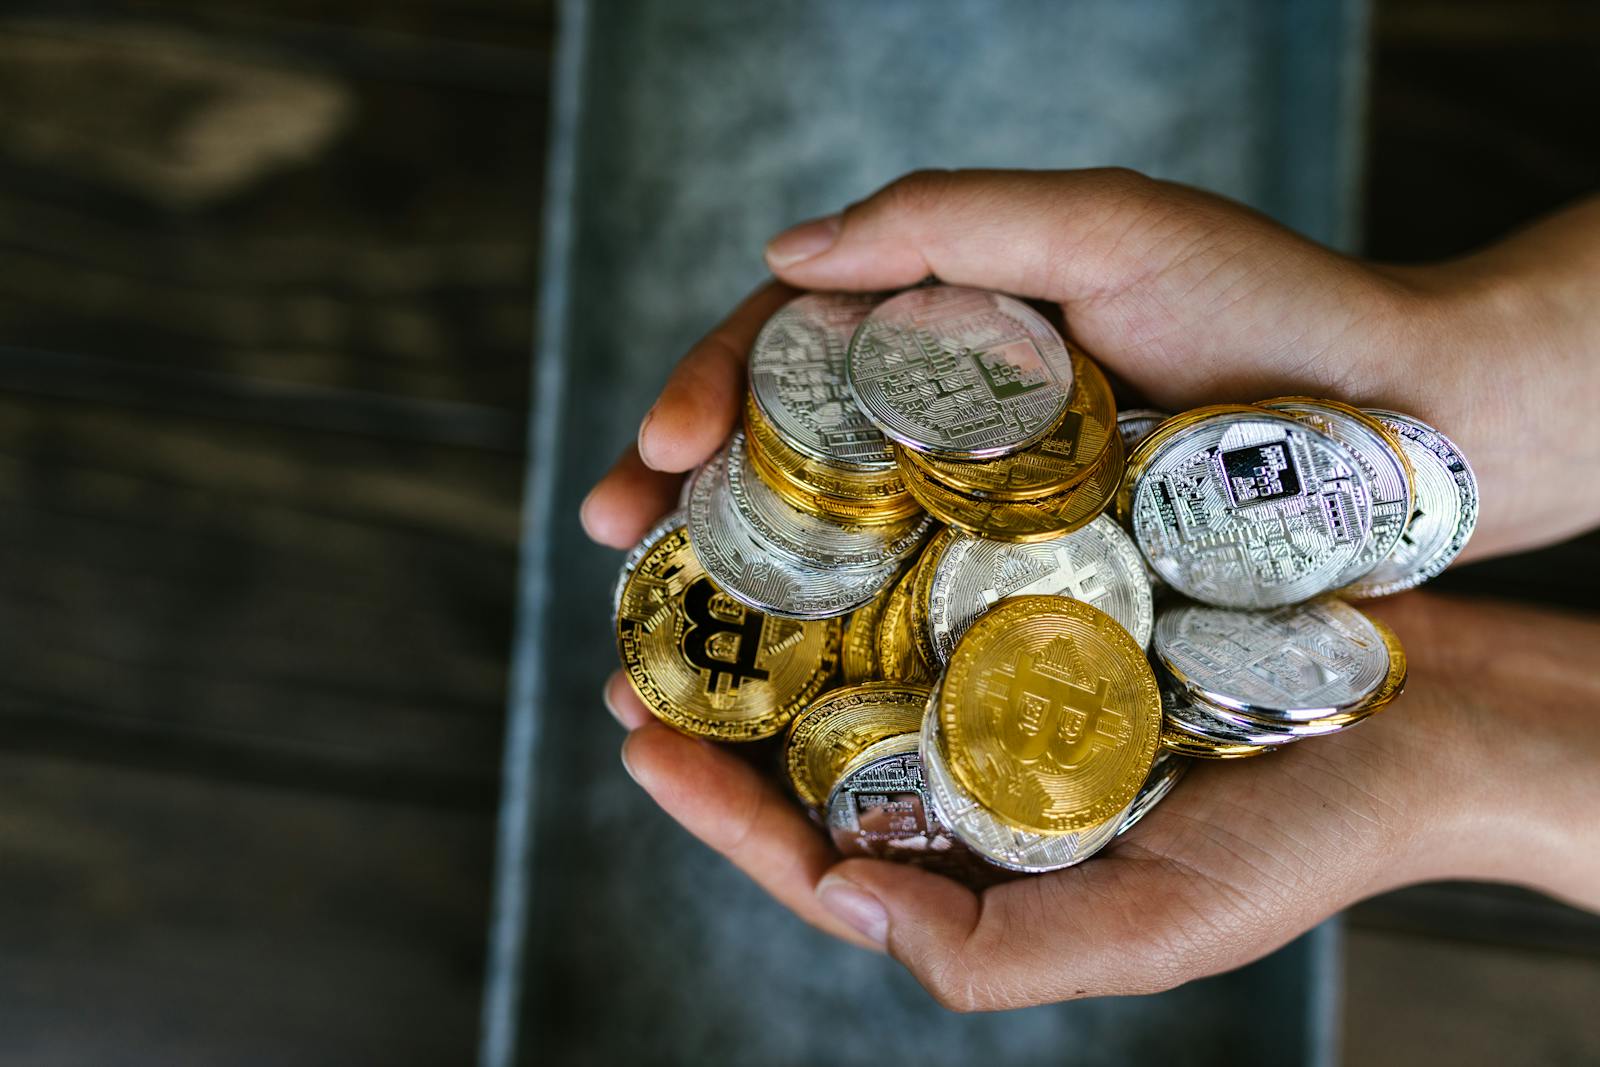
(1049, 714)
(898, 658)
(839, 725)
(858, 658)
(878, 512)
(1021, 521)
(1184, 744)
(816, 475)
(1063, 459)
(705, 664)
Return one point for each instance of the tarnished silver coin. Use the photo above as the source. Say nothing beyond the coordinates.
(880, 807)
(1306, 661)
(754, 572)
(1097, 564)
(797, 380)
(959, 373)
(1135, 424)
(1249, 509)
(1443, 514)
(1387, 472)
(673, 520)
(809, 538)
(993, 840)
(1164, 774)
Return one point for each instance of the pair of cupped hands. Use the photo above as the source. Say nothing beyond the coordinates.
(1488, 767)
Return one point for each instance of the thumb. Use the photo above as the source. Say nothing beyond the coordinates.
(1117, 926)
(1055, 235)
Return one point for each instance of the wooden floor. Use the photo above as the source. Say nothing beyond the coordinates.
(265, 308)
(265, 315)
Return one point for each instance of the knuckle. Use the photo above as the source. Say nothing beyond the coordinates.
(915, 193)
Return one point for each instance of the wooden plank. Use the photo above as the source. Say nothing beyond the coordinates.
(153, 918)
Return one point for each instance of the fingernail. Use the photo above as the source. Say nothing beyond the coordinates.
(855, 907)
(605, 698)
(644, 425)
(625, 765)
(802, 242)
(583, 516)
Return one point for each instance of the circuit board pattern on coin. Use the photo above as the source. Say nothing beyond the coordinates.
(1249, 509)
(1444, 512)
(1305, 661)
(755, 571)
(957, 372)
(881, 808)
(797, 377)
(840, 725)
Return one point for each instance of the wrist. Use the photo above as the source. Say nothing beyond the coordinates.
(1501, 746)
(1494, 351)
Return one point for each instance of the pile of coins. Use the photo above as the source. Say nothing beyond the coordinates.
(905, 569)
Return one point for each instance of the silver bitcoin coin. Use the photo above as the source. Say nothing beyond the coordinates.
(808, 538)
(1097, 564)
(1250, 510)
(959, 373)
(880, 807)
(1386, 472)
(1164, 774)
(1135, 424)
(797, 379)
(754, 571)
(993, 840)
(1187, 716)
(1443, 515)
(673, 520)
(1304, 662)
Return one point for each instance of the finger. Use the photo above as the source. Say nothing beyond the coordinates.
(1062, 235)
(699, 405)
(1116, 926)
(624, 504)
(623, 703)
(724, 802)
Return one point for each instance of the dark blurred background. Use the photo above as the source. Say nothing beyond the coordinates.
(266, 309)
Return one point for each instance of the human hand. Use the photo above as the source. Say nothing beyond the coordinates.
(1190, 299)
(1486, 768)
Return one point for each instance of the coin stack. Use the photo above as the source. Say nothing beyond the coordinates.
(1269, 504)
(1236, 683)
(1002, 692)
(1000, 428)
(803, 514)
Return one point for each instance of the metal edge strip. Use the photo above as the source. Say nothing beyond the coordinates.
(505, 969)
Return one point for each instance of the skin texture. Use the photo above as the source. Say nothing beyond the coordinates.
(1486, 768)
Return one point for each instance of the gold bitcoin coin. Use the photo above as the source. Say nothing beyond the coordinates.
(704, 663)
(898, 657)
(839, 725)
(1054, 465)
(1020, 520)
(858, 658)
(1049, 714)
(812, 475)
(878, 512)
(1185, 744)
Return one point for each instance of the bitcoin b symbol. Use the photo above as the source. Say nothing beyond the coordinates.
(1047, 713)
(705, 626)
